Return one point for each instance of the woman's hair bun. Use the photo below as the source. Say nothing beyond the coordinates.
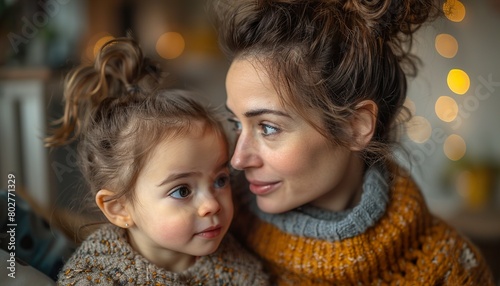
(390, 18)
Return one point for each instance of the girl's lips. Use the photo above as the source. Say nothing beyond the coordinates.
(262, 188)
(210, 232)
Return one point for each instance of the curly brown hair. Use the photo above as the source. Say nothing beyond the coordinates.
(329, 55)
(120, 109)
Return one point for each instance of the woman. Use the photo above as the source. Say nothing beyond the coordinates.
(315, 88)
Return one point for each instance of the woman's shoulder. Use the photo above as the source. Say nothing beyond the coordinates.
(453, 253)
(439, 243)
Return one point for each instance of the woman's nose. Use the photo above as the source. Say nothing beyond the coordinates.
(245, 155)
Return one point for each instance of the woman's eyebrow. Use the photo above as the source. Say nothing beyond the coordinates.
(257, 112)
(260, 111)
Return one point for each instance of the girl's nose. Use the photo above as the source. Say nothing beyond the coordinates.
(209, 206)
(245, 153)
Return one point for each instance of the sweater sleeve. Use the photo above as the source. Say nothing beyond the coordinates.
(454, 259)
(469, 268)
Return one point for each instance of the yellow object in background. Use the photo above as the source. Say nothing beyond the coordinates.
(475, 185)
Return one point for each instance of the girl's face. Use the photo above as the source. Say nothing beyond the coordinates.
(287, 162)
(183, 204)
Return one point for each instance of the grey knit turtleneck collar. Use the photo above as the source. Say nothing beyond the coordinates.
(313, 222)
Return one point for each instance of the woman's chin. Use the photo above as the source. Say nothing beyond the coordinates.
(271, 206)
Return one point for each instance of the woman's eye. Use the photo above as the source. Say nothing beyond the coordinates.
(236, 125)
(269, 130)
(221, 181)
(180, 193)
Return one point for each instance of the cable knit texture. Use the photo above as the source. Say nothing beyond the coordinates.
(405, 245)
(106, 258)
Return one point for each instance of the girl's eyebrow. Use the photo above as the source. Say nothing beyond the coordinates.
(260, 111)
(177, 176)
(224, 165)
(228, 109)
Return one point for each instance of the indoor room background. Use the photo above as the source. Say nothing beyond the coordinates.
(451, 144)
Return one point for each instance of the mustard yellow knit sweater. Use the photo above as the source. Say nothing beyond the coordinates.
(405, 246)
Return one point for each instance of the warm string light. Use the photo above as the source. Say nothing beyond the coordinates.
(94, 45)
(170, 45)
(454, 10)
(100, 43)
(458, 81)
(446, 45)
(419, 129)
(446, 108)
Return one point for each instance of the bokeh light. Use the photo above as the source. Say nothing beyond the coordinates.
(462, 183)
(418, 129)
(410, 105)
(454, 147)
(94, 44)
(475, 186)
(170, 45)
(454, 10)
(458, 81)
(446, 45)
(100, 43)
(446, 108)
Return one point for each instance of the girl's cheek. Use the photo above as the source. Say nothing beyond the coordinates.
(172, 231)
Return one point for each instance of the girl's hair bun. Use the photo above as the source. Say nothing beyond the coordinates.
(120, 66)
(120, 73)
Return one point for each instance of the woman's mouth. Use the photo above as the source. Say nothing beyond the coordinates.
(263, 188)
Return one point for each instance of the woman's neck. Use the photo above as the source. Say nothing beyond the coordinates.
(347, 193)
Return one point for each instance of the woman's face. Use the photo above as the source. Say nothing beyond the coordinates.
(287, 162)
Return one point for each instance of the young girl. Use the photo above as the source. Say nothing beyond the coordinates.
(157, 162)
(314, 89)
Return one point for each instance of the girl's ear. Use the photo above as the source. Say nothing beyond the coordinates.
(114, 209)
(363, 124)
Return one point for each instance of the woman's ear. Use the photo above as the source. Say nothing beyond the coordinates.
(363, 124)
(114, 209)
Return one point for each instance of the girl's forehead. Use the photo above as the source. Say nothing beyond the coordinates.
(191, 127)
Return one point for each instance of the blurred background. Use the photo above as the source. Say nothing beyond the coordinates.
(452, 143)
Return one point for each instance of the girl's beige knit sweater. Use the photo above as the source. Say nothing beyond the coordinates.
(106, 258)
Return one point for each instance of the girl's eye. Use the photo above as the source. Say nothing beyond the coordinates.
(269, 130)
(181, 192)
(236, 125)
(221, 181)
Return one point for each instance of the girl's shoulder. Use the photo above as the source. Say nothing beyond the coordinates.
(235, 263)
(90, 262)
